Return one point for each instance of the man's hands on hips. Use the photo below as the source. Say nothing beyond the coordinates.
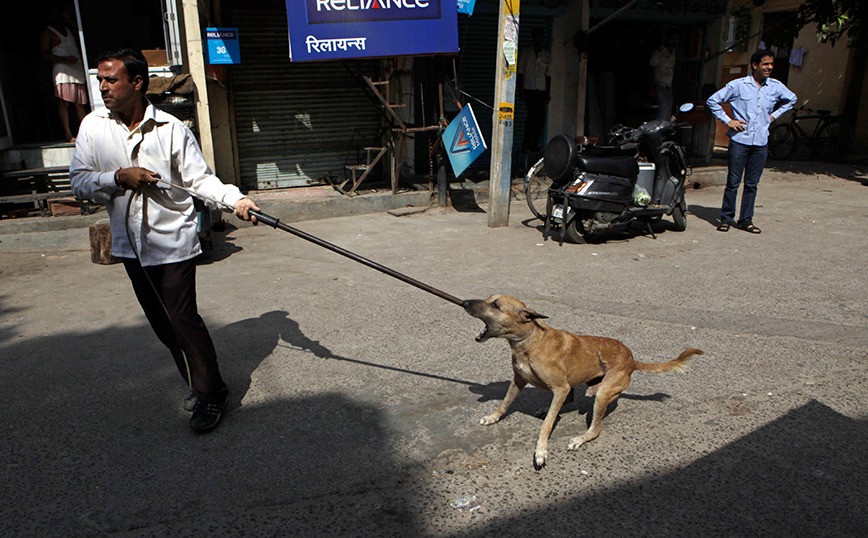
(738, 125)
(242, 207)
(134, 178)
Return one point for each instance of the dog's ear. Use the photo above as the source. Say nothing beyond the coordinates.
(528, 315)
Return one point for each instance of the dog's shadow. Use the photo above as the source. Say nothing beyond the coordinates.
(535, 402)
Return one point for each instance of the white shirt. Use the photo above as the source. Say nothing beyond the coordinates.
(663, 63)
(534, 68)
(162, 221)
(65, 73)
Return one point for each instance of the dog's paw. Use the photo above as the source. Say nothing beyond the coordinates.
(576, 442)
(539, 458)
(489, 420)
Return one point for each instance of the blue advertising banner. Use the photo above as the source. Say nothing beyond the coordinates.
(463, 140)
(222, 46)
(336, 29)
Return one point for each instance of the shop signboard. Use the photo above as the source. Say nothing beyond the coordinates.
(222, 46)
(338, 29)
(463, 140)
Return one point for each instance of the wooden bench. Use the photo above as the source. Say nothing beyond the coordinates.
(54, 179)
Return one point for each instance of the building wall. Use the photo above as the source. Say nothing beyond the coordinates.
(820, 81)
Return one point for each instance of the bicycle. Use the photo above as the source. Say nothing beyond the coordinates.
(536, 190)
(825, 140)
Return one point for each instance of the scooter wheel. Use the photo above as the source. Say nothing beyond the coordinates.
(574, 232)
(679, 217)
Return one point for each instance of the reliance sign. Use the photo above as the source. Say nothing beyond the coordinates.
(326, 11)
(336, 29)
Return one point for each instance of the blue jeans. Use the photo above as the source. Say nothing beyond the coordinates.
(747, 161)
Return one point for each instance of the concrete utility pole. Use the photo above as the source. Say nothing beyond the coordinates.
(504, 114)
(196, 57)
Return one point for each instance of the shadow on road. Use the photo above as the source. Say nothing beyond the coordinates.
(803, 474)
(95, 443)
(849, 172)
(710, 215)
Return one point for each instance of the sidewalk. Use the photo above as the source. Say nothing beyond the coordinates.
(321, 202)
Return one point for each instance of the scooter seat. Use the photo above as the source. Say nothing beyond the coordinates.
(611, 166)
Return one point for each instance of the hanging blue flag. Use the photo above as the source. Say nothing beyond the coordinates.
(466, 6)
(463, 140)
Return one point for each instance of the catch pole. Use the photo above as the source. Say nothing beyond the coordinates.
(275, 223)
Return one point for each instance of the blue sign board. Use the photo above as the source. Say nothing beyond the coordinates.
(335, 29)
(463, 140)
(222, 46)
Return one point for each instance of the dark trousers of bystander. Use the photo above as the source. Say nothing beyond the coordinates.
(535, 101)
(176, 285)
(746, 161)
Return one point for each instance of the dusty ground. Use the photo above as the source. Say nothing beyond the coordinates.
(356, 397)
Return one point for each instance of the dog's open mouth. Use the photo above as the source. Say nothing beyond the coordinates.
(484, 335)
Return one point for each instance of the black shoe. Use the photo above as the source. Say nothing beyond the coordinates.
(206, 416)
(190, 402)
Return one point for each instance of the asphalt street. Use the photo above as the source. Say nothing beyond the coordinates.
(356, 398)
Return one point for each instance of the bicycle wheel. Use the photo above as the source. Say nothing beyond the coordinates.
(536, 189)
(782, 141)
(828, 145)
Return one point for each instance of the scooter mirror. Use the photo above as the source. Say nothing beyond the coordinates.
(686, 107)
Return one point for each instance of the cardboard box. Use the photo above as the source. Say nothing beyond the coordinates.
(64, 206)
(156, 57)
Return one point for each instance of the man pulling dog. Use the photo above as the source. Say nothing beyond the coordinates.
(120, 153)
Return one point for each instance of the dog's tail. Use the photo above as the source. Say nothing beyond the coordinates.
(679, 364)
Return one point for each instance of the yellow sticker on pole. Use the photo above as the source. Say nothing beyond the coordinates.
(505, 111)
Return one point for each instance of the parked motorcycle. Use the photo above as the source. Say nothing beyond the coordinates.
(640, 175)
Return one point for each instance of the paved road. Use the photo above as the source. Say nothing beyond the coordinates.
(356, 397)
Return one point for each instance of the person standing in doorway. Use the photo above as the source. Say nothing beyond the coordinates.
(58, 47)
(756, 101)
(662, 64)
(120, 154)
(534, 88)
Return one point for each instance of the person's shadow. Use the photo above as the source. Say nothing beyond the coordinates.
(710, 215)
(243, 346)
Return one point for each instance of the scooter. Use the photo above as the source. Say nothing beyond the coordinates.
(640, 175)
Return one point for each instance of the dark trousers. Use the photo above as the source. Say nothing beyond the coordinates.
(535, 101)
(747, 161)
(183, 329)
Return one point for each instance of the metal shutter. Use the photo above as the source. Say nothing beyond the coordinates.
(294, 121)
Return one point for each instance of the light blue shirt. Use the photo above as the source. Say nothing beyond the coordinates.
(754, 105)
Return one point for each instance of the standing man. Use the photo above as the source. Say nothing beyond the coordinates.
(662, 64)
(120, 153)
(753, 100)
(534, 88)
(57, 45)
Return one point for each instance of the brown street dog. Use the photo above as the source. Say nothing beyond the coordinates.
(555, 360)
